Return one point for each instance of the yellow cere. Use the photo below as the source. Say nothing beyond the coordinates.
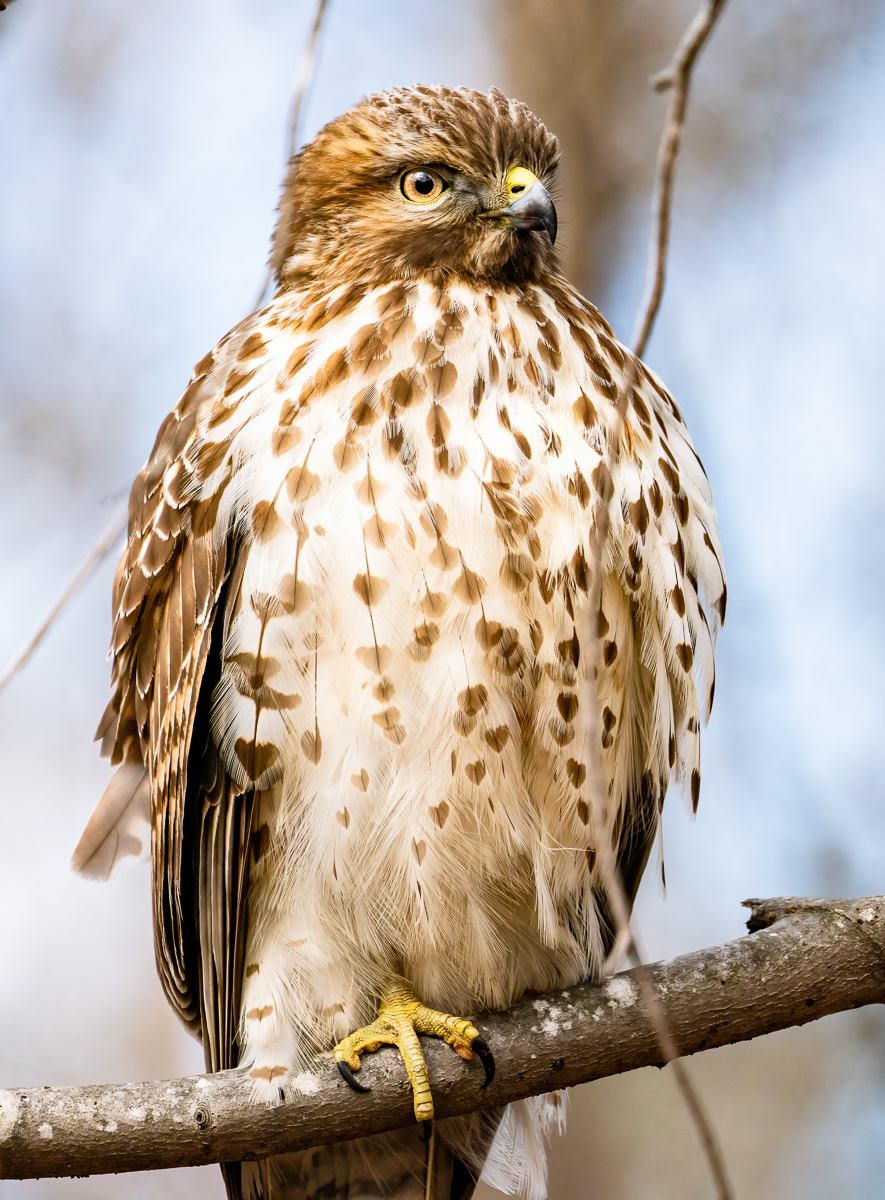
(519, 180)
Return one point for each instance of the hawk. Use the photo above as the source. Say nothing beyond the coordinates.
(417, 611)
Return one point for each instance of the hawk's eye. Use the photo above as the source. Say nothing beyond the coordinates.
(422, 186)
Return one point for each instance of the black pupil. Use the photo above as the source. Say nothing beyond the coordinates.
(424, 183)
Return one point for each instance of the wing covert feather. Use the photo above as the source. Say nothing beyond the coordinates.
(169, 619)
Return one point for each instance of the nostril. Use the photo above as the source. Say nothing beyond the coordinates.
(520, 187)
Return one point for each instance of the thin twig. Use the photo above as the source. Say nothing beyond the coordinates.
(96, 556)
(626, 940)
(666, 1042)
(108, 539)
(304, 78)
(300, 88)
(678, 77)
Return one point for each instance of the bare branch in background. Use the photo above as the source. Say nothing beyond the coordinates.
(102, 548)
(678, 77)
(117, 527)
(304, 78)
(670, 1051)
(300, 89)
(804, 959)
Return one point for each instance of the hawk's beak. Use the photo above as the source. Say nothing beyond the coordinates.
(531, 207)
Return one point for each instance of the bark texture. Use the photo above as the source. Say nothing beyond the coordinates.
(803, 959)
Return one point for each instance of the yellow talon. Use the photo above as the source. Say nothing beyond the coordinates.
(401, 1017)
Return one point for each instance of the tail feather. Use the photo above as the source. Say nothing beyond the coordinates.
(517, 1161)
(118, 834)
(403, 1165)
(505, 1147)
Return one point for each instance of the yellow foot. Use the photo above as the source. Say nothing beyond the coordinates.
(401, 1017)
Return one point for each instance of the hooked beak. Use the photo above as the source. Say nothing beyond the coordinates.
(532, 207)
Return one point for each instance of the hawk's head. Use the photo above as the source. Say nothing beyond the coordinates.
(440, 183)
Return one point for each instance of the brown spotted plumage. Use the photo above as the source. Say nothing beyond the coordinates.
(418, 605)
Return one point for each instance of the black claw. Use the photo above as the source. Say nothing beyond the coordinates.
(481, 1047)
(348, 1076)
(427, 1131)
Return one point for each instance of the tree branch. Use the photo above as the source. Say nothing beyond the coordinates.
(804, 959)
(300, 88)
(99, 552)
(117, 526)
(678, 77)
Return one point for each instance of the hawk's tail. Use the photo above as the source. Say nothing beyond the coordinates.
(506, 1146)
(408, 1164)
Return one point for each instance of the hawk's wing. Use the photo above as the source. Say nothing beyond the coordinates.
(173, 594)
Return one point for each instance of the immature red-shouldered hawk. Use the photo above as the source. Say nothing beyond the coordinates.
(381, 705)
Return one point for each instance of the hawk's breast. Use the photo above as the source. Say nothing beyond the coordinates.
(413, 477)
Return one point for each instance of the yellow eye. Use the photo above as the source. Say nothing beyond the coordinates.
(422, 186)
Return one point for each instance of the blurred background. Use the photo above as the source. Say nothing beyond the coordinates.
(141, 148)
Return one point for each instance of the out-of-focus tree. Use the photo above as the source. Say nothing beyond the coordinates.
(584, 66)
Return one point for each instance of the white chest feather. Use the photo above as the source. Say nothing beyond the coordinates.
(408, 678)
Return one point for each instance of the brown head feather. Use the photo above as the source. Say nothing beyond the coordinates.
(342, 214)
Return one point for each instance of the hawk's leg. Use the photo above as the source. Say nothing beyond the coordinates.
(401, 1017)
